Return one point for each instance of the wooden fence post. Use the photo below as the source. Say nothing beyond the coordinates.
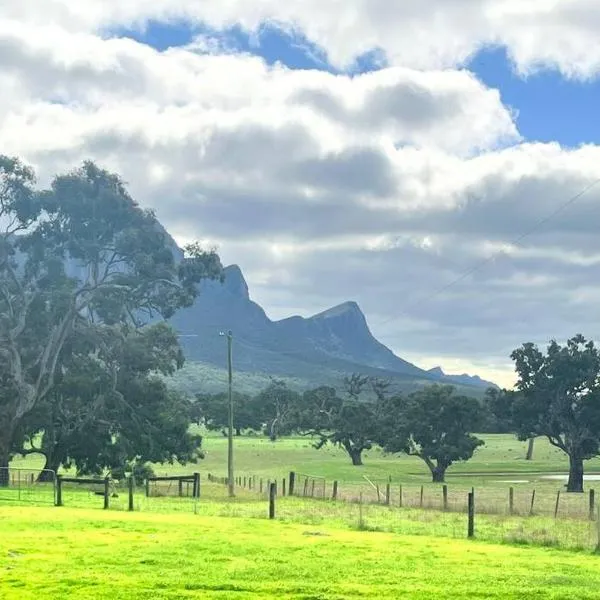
(598, 530)
(445, 496)
(283, 487)
(272, 494)
(147, 488)
(312, 489)
(592, 504)
(59, 501)
(305, 487)
(471, 511)
(130, 489)
(388, 492)
(511, 501)
(334, 492)
(532, 501)
(196, 485)
(106, 492)
(180, 488)
(421, 500)
(361, 521)
(557, 503)
(400, 497)
(260, 489)
(292, 483)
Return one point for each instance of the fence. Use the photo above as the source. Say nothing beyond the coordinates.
(420, 514)
(27, 486)
(529, 516)
(178, 485)
(509, 501)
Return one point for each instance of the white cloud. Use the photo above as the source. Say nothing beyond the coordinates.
(381, 188)
(423, 34)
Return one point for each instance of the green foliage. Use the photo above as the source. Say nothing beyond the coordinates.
(276, 407)
(139, 471)
(212, 410)
(433, 424)
(75, 261)
(498, 411)
(560, 399)
(349, 423)
(109, 408)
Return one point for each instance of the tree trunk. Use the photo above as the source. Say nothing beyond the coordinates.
(575, 483)
(438, 474)
(530, 449)
(356, 456)
(238, 432)
(273, 430)
(53, 463)
(4, 461)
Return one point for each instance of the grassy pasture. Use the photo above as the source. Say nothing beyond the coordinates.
(48, 553)
(502, 457)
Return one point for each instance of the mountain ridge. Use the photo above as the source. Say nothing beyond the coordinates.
(320, 349)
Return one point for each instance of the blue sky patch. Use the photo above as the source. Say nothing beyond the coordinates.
(550, 107)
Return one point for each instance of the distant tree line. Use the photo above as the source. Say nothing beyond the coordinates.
(557, 396)
(433, 424)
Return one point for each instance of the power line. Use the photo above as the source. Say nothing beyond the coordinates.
(484, 262)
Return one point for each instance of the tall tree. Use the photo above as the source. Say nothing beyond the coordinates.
(350, 423)
(109, 408)
(213, 411)
(276, 407)
(433, 424)
(499, 404)
(81, 252)
(560, 399)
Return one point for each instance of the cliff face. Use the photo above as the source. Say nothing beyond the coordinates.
(321, 348)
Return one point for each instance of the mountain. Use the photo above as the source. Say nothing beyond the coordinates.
(321, 349)
(463, 379)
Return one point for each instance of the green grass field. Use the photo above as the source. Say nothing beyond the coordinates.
(216, 548)
(49, 553)
(501, 456)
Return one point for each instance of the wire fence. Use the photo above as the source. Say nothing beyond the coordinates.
(27, 486)
(569, 521)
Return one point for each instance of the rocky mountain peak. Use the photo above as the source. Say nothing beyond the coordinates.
(235, 282)
(437, 371)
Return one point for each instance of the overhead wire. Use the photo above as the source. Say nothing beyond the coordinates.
(478, 266)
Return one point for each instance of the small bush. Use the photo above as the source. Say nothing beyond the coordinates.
(140, 472)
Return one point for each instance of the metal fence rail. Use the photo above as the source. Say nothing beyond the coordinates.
(27, 486)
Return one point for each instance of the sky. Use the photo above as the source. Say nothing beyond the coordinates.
(424, 158)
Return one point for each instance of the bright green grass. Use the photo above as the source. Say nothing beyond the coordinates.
(54, 553)
(542, 529)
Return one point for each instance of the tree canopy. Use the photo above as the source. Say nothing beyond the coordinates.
(433, 424)
(276, 407)
(109, 407)
(78, 254)
(560, 399)
(213, 409)
(350, 423)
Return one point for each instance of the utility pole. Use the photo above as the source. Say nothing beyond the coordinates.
(230, 482)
